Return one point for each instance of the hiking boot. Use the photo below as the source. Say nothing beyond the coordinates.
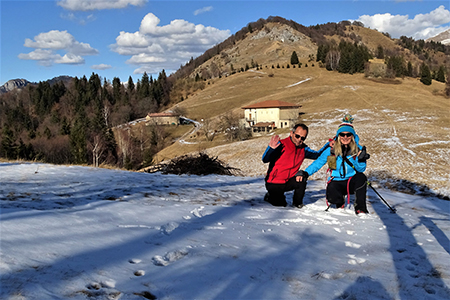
(340, 205)
(360, 211)
(298, 205)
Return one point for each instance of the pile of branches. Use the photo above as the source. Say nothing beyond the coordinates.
(199, 164)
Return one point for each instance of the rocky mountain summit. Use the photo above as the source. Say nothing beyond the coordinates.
(443, 37)
(21, 83)
(13, 84)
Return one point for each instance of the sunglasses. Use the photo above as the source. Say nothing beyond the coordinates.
(298, 136)
(346, 134)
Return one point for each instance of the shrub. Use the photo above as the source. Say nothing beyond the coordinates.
(199, 164)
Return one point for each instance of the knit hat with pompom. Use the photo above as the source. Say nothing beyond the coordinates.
(346, 125)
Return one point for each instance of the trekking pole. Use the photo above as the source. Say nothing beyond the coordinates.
(392, 209)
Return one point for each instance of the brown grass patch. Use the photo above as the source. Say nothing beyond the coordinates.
(385, 80)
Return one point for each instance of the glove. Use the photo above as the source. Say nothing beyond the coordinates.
(363, 156)
(302, 173)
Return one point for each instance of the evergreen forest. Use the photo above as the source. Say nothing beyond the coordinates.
(74, 122)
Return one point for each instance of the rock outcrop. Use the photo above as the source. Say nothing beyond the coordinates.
(13, 84)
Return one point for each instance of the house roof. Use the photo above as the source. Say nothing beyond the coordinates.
(272, 104)
(154, 115)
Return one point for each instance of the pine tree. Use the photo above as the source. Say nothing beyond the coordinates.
(425, 74)
(440, 75)
(94, 90)
(397, 65)
(78, 140)
(130, 87)
(145, 86)
(117, 90)
(294, 58)
(8, 146)
(409, 71)
(380, 52)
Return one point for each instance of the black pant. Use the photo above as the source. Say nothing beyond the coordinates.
(337, 189)
(276, 192)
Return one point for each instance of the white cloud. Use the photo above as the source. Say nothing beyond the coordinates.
(82, 49)
(149, 25)
(422, 26)
(150, 70)
(85, 5)
(44, 57)
(166, 47)
(80, 20)
(127, 39)
(53, 39)
(70, 59)
(203, 10)
(47, 43)
(144, 58)
(101, 67)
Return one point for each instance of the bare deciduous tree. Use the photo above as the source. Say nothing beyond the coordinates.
(124, 144)
(230, 124)
(97, 146)
(332, 59)
(207, 129)
(106, 112)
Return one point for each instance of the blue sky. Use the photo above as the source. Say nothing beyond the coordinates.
(121, 38)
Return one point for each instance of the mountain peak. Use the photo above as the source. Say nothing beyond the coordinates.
(13, 84)
(443, 37)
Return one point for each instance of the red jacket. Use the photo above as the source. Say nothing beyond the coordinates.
(285, 162)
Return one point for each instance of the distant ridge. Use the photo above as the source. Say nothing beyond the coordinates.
(64, 78)
(13, 84)
(21, 83)
(443, 38)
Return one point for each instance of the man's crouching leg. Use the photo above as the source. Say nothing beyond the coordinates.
(275, 194)
(299, 188)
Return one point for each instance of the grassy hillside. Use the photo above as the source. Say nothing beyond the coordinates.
(404, 124)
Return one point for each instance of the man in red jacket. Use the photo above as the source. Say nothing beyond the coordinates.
(285, 158)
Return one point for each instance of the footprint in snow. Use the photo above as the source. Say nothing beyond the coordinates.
(169, 227)
(169, 258)
(134, 261)
(139, 273)
(198, 212)
(108, 283)
(355, 260)
(352, 245)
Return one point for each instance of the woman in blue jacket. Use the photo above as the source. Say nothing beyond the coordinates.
(347, 162)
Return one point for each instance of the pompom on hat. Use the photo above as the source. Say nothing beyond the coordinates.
(347, 126)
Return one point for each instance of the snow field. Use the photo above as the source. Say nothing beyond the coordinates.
(86, 233)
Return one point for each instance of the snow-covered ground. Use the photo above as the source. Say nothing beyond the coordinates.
(71, 232)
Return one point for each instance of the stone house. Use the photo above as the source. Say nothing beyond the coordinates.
(268, 115)
(163, 119)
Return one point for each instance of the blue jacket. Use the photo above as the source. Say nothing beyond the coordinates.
(343, 170)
